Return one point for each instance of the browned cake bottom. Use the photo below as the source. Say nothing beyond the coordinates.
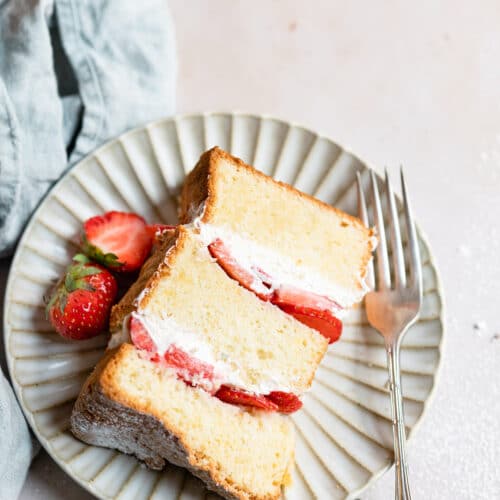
(239, 455)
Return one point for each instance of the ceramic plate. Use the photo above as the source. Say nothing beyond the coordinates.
(344, 437)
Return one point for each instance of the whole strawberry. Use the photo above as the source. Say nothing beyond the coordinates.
(80, 305)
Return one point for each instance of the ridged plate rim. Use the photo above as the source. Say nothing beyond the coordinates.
(174, 119)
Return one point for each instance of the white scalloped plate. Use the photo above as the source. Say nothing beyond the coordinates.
(344, 437)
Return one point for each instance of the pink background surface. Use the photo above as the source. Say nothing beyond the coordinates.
(412, 83)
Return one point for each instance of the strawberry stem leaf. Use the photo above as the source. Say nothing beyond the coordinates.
(95, 253)
(81, 284)
(62, 301)
(70, 282)
(51, 303)
(81, 258)
(86, 271)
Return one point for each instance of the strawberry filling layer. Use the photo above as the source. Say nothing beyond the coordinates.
(197, 373)
(314, 310)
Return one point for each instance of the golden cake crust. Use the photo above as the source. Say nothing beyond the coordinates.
(200, 189)
(200, 182)
(106, 415)
(157, 266)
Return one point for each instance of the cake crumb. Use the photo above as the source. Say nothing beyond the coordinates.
(479, 328)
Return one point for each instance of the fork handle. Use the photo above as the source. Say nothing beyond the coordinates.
(402, 490)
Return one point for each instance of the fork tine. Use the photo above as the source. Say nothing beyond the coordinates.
(415, 264)
(363, 215)
(395, 234)
(384, 275)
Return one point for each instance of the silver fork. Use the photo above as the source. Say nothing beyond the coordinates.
(394, 305)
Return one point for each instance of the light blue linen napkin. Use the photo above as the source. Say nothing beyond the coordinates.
(73, 73)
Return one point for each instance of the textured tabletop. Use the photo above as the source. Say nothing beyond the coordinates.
(412, 83)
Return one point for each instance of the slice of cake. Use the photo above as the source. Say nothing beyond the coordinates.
(186, 314)
(135, 406)
(290, 249)
(224, 330)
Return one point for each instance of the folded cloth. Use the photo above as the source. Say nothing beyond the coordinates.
(122, 55)
(17, 447)
(73, 73)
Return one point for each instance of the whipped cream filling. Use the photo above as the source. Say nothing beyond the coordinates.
(165, 332)
(281, 269)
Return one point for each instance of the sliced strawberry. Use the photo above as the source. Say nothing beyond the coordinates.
(315, 311)
(188, 368)
(290, 295)
(140, 336)
(323, 321)
(197, 373)
(286, 401)
(118, 240)
(265, 277)
(245, 278)
(236, 397)
(193, 371)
